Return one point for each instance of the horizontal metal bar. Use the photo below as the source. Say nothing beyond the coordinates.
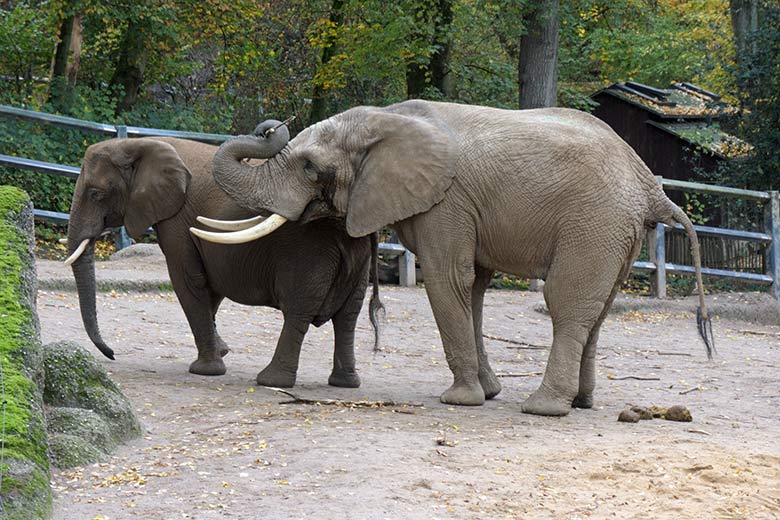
(51, 216)
(710, 188)
(39, 166)
(706, 271)
(727, 233)
(137, 131)
(391, 249)
(719, 273)
(51, 119)
(644, 266)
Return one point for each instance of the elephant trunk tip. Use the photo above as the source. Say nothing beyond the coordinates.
(704, 324)
(106, 350)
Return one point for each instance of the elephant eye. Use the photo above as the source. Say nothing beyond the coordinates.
(96, 195)
(310, 170)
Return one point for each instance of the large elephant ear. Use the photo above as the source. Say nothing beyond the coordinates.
(408, 165)
(157, 184)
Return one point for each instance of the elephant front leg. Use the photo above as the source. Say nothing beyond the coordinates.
(450, 298)
(200, 305)
(283, 368)
(487, 378)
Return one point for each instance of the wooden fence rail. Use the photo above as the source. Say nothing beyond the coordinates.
(406, 260)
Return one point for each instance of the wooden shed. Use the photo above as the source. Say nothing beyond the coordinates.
(674, 130)
(677, 134)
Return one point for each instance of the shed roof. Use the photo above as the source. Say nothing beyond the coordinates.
(708, 136)
(679, 101)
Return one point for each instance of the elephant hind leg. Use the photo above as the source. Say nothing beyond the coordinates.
(487, 378)
(587, 382)
(578, 297)
(282, 371)
(344, 373)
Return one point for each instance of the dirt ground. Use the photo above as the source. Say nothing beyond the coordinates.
(225, 448)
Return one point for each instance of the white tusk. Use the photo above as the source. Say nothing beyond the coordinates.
(260, 230)
(63, 241)
(77, 253)
(231, 225)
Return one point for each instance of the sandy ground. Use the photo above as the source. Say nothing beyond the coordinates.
(225, 448)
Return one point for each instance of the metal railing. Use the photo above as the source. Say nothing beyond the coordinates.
(656, 240)
(405, 257)
(656, 244)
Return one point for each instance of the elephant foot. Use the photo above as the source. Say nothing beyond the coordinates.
(490, 383)
(583, 401)
(276, 377)
(210, 367)
(546, 402)
(344, 379)
(464, 394)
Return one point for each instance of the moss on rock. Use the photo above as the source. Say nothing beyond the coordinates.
(88, 427)
(68, 451)
(24, 487)
(87, 403)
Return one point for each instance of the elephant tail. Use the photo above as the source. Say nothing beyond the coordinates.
(375, 305)
(703, 320)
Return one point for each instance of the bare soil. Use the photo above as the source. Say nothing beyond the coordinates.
(223, 447)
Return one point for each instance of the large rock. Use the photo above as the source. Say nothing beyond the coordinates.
(24, 473)
(88, 414)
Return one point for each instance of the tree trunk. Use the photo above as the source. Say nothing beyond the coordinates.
(538, 61)
(319, 101)
(130, 67)
(744, 21)
(65, 65)
(437, 16)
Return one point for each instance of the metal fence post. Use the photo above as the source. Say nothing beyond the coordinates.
(772, 227)
(656, 249)
(121, 238)
(407, 275)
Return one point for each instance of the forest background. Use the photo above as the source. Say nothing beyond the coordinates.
(222, 66)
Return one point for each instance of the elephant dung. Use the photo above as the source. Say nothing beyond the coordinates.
(628, 416)
(673, 413)
(644, 413)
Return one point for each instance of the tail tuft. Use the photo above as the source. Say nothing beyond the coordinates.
(375, 305)
(704, 324)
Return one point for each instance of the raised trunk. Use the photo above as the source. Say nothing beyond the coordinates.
(84, 273)
(252, 187)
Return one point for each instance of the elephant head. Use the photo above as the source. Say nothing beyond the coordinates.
(369, 166)
(130, 182)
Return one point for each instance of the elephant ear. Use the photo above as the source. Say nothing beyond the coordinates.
(407, 167)
(157, 184)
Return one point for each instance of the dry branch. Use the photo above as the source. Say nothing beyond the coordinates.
(519, 374)
(638, 378)
(519, 344)
(338, 402)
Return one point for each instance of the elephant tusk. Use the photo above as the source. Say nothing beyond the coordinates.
(260, 230)
(77, 253)
(231, 225)
(63, 241)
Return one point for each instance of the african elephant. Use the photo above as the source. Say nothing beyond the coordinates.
(546, 193)
(313, 273)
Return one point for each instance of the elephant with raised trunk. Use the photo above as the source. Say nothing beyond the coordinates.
(312, 272)
(546, 193)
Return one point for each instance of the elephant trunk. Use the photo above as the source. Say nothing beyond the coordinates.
(84, 273)
(251, 187)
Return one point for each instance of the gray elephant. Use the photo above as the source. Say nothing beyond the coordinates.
(548, 193)
(313, 273)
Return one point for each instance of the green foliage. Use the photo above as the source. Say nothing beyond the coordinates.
(759, 122)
